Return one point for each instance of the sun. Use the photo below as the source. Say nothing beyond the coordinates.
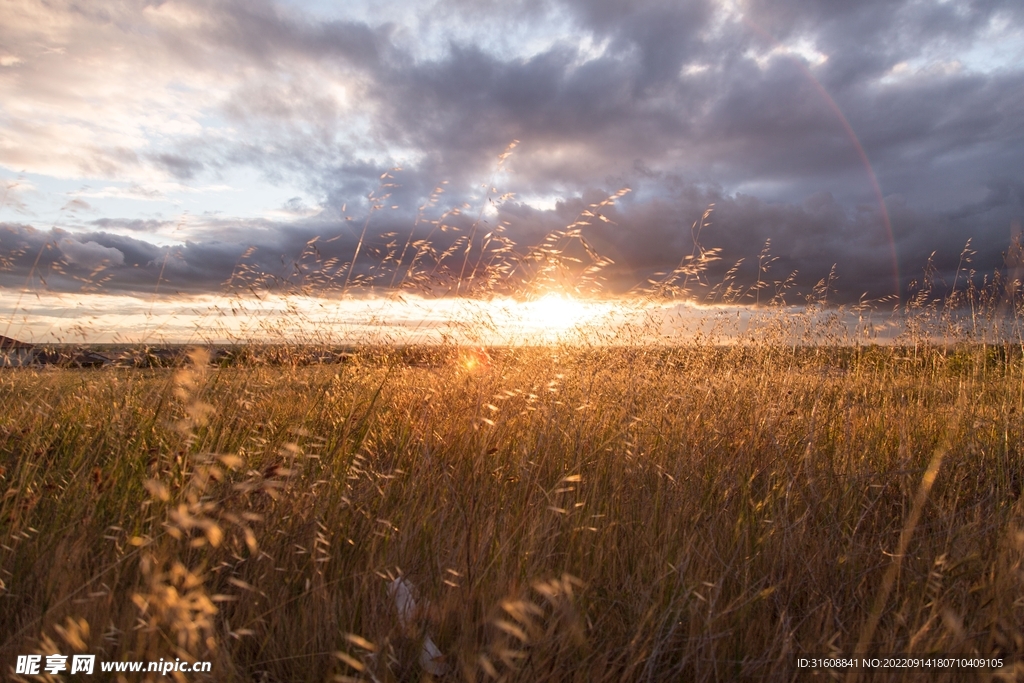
(553, 312)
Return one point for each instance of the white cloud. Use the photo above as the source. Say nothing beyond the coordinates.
(802, 48)
(94, 93)
(151, 192)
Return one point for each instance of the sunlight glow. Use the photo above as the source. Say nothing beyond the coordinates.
(105, 318)
(555, 313)
(92, 318)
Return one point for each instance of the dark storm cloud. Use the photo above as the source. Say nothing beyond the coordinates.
(804, 240)
(769, 113)
(938, 137)
(312, 256)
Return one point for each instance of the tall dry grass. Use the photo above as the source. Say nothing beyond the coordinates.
(701, 513)
(604, 510)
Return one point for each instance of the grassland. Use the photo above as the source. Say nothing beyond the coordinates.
(701, 513)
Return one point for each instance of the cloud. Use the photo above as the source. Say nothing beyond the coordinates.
(89, 254)
(150, 225)
(13, 194)
(179, 166)
(808, 124)
(77, 204)
(644, 234)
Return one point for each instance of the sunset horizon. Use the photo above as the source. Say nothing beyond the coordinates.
(158, 148)
(540, 341)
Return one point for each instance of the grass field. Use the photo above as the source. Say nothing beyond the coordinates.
(589, 514)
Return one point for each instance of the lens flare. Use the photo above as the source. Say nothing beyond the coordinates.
(475, 360)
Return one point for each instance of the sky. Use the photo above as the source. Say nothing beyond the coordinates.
(157, 149)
